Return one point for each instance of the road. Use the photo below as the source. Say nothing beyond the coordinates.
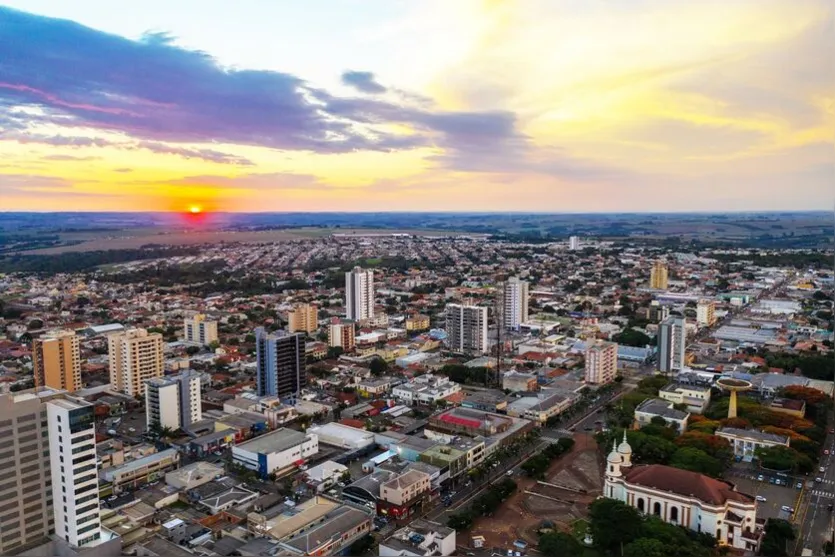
(814, 517)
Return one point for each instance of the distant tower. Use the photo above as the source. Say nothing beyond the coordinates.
(672, 344)
(574, 243)
(278, 361)
(514, 298)
(658, 276)
(56, 361)
(359, 294)
(733, 386)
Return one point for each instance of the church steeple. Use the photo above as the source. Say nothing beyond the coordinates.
(625, 451)
(614, 462)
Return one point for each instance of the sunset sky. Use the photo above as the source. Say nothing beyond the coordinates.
(410, 105)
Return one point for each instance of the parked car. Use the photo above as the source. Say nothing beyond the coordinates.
(821, 469)
(799, 485)
(787, 508)
(760, 478)
(761, 499)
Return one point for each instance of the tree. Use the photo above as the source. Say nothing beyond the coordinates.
(361, 546)
(613, 523)
(559, 544)
(632, 337)
(191, 350)
(696, 460)
(35, 324)
(378, 366)
(460, 521)
(778, 533)
(645, 547)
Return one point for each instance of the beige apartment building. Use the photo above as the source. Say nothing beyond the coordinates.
(706, 313)
(658, 276)
(26, 513)
(417, 322)
(341, 333)
(200, 330)
(601, 363)
(56, 361)
(135, 356)
(304, 318)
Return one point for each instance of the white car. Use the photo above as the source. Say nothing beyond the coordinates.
(821, 469)
(761, 499)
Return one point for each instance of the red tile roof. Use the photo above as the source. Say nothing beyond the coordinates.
(687, 483)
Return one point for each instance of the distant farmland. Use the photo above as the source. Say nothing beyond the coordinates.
(136, 238)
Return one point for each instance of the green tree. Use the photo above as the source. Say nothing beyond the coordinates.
(696, 460)
(645, 547)
(778, 534)
(361, 546)
(559, 544)
(613, 523)
(378, 366)
(460, 521)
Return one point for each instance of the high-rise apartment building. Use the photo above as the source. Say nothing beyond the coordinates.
(26, 516)
(279, 358)
(466, 328)
(574, 243)
(706, 313)
(514, 303)
(75, 479)
(200, 330)
(672, 344)
(657, 312)
(601, 363)
(135, 356)
(56, 361)
(359, 294)
(304, 318)
(341, 333)
(173, 401)
(658, 276)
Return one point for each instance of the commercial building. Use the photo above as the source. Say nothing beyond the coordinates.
(343, 436)
(333, 535)
(466, 328)
(684, 498)
(660, 408)
(278, 358)
(470, 422)
(420, 539)
(404, 495)
(56, 361)
(790, 406)
(135, 356)
(75, 482)
(705, 313)
(141, 471)
(696, 397)
(514, 303)
(174, 401)
(275, 451)
(25, 480)
(193, 475)
(541, 407)
(672, 345)
(342, 334)
(601, 363)
(303, 318)
(425, 389)
(658, 276)
(359, 294)
(745, 442)
(199, 330)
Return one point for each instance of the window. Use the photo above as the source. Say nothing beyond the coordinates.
(674, 514)
(656, 509)
(641, 504)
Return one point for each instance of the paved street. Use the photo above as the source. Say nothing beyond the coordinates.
(814, 518)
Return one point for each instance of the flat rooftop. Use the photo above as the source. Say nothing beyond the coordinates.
(274, 442)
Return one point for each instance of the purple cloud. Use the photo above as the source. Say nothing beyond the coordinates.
(203, 154)
(363, 82)
(155, 91)
(68, 158)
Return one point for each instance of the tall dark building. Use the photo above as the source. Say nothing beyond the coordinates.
(672, 344)
(279, 358)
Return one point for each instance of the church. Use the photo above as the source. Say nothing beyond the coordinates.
(685, 498)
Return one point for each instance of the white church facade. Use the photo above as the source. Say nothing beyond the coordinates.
(684, 498)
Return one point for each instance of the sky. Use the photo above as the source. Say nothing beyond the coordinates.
(430, 105)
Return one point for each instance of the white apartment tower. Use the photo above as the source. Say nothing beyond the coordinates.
(601, 363)
(359, 294)
(134, 356)
(574, 243)
(514, 303)
(173, 402)
(672, 344)
(75, 480)
(200, 330)
(466, 328)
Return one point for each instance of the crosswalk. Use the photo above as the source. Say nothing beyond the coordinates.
(826, 481)
(822, 493)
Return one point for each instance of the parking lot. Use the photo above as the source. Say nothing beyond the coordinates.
(776, 496)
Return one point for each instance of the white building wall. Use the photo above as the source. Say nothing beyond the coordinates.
(278, 460)
(75, 483)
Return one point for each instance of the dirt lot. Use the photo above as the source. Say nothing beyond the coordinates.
(556, 499)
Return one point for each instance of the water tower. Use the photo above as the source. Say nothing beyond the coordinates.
(733, 386)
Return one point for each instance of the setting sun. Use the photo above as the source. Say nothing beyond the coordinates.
(195, 209)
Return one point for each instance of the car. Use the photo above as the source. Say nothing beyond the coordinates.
(510, 472)
(818, 480)
(799, 485)
(821, 469)
(832, 430)
(760, 478)
(787, 508)
(761, 499)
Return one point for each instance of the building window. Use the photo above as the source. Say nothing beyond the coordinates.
(674, 514)
(641, 504)
(656, 509)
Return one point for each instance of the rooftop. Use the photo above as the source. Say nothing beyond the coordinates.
(660, 407)
(752, 434)
(686, 483)
(275, 441)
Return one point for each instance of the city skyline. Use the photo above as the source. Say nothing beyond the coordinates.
(391, 105)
